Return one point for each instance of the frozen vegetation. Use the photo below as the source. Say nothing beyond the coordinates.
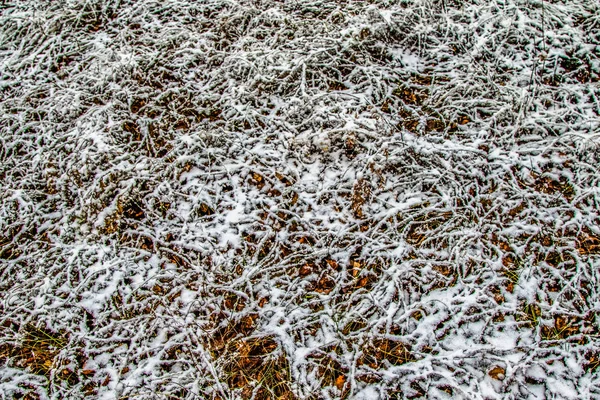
(299, 199)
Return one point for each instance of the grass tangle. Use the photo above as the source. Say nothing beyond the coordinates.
(299, 199)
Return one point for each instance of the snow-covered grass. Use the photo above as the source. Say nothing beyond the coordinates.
(299, 199)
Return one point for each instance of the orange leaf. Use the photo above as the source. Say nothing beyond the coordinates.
(497, 373)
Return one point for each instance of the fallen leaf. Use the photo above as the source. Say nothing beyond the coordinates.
(497, 373)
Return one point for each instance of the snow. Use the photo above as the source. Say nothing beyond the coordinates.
(180, 180)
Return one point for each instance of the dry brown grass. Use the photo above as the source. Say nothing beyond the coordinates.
(329, 369)
(381, 351)
(253, 367)
(258, 368)
(36, 351)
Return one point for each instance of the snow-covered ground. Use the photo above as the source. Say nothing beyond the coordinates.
(299, 199)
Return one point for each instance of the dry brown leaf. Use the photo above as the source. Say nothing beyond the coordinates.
(497, 373)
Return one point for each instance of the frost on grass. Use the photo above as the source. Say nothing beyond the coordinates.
(299, 200)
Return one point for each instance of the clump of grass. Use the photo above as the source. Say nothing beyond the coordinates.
(37, 351)
(381, 351)
(329, 369)
(513, 266)
(258, 369)
(564, 326)
(530, 314)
